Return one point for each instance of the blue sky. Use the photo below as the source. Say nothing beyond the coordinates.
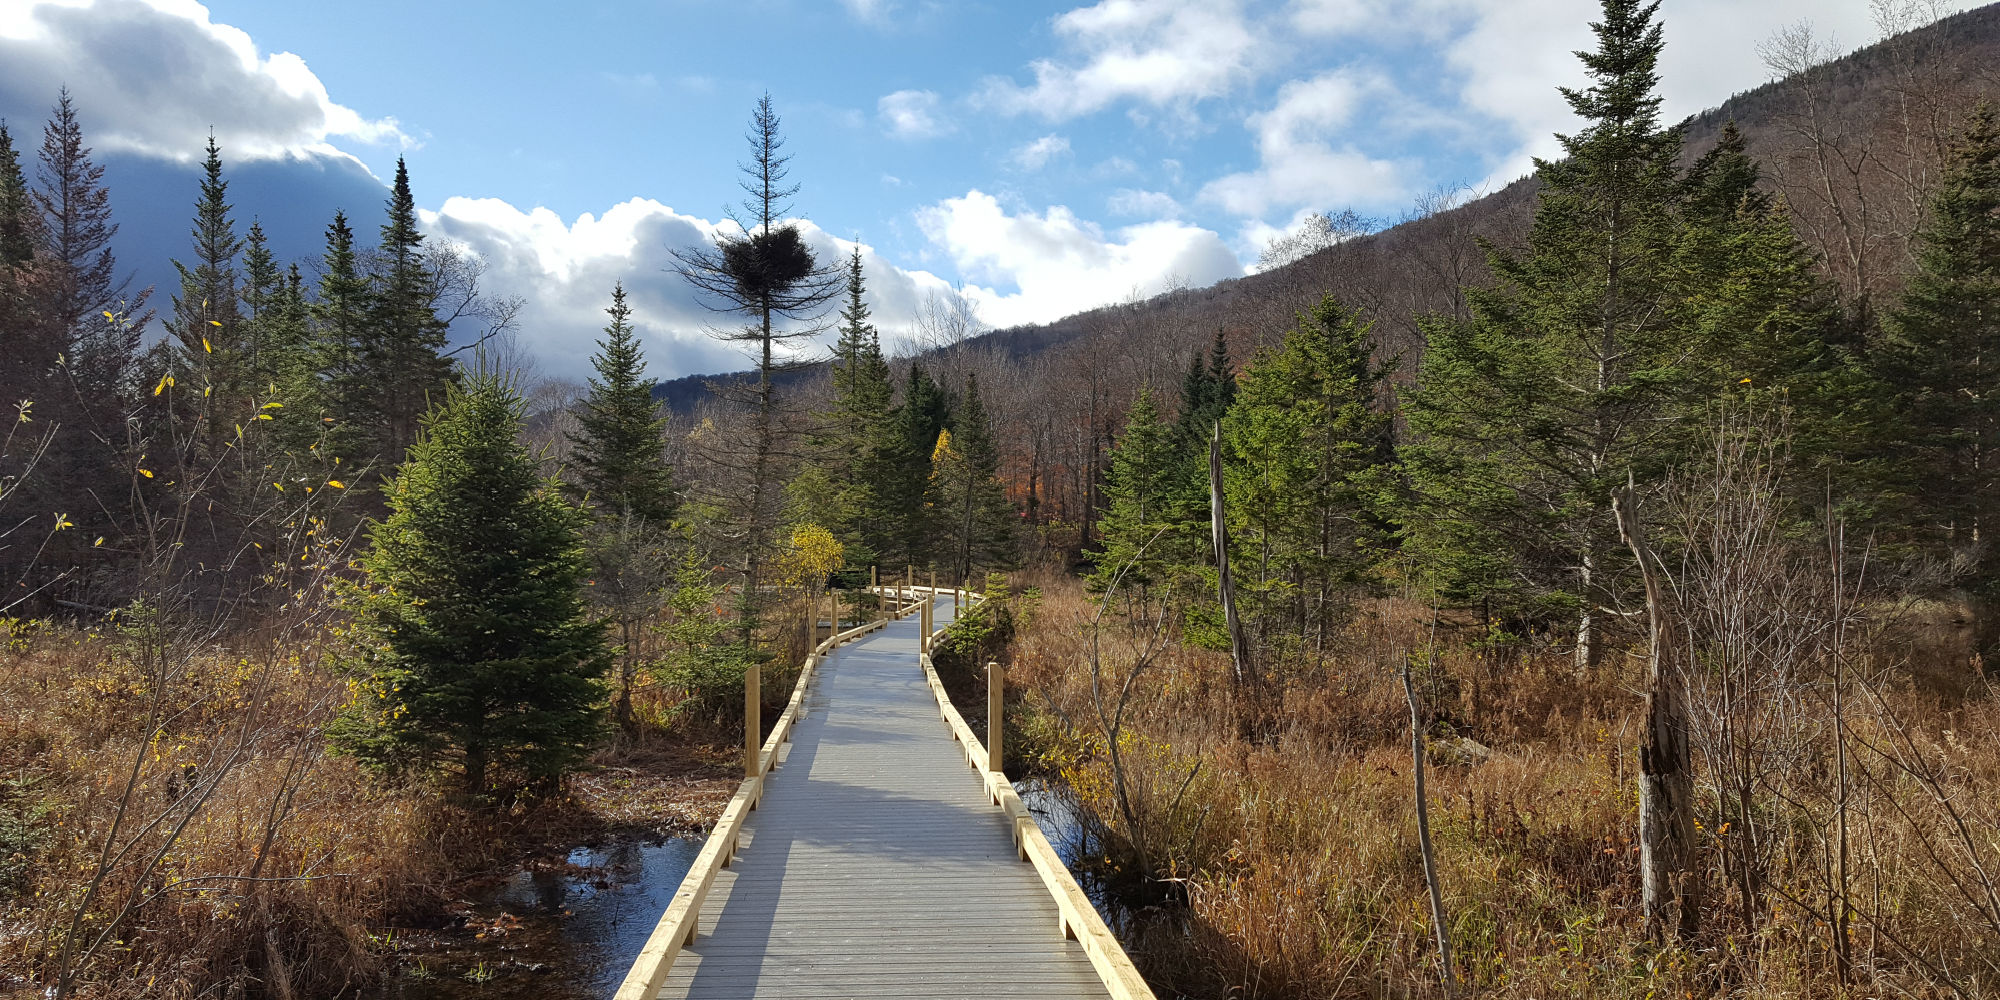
(1041, 158)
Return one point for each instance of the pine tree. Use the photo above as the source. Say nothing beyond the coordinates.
(621, 466)
(74, 232)
(402, 351)
(1308, 442)
(344, 408)
(1139, 494)
(17, 218)
(1535, 410)
(206, 324)
(971, 521)
(900, 471)
(480, 657)
(1940, 360)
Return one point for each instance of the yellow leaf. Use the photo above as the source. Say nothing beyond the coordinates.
(205, 346)
(107, 315)
(336, 484)
(148, 473)
(1743, 381)
(165, 380)
(215, 322)
(280, 486)
(100, 541)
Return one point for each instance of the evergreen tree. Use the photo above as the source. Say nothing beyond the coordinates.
(206, 324)
(900, 471)
(621, 466)
(973, 523)
(17, 217)
(343, 407)
(861, 388)
(480, 657)
(402, 351)
(74, 232)
(1308, 442)
(1139, 493)
(1535, 410)
(1206, 392)
(839, 489)
(1940, 359)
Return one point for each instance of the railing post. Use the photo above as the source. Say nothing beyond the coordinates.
(924, 630)
(996, 684)
(752, 725)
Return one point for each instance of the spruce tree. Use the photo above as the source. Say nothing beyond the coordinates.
(478, 654)
(1308, 443)
(901, 471)
(344, 409)
(402, 351)
(74, 246)
(840, 488)
(973, 523)
(1139, 494)
(1535, 410)
(620, 462)
(17, 238)
(1943, 340)
(206, 324)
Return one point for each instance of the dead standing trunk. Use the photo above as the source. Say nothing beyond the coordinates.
(1666, 781)
(1239, 653)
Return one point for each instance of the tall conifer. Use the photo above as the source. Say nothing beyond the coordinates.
(621, 466)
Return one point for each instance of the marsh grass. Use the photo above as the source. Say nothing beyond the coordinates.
(1289, 853)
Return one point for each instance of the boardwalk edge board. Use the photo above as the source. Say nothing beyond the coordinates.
(1079, 919)
(676, 928)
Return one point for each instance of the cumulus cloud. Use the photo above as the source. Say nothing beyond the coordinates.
(1301, 162)
(1057, 264)
(1132, 203)
(912, 114)
(1161, 52)
(565, 271)
(152, 76)
(1037, 154)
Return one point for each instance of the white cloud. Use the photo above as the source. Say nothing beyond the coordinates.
(565, 271)
(152, 76)
(1303, 161)
(1037, 154)
(1133, 203)
(1167, 53)
(1057, 264)
(912, 114)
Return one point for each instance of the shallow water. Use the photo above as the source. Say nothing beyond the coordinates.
(565, 934)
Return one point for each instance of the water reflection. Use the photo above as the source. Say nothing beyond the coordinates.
(564, 934)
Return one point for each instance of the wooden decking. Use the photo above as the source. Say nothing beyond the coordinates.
(875, 864)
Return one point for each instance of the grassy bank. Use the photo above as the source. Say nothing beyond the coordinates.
(171, 824)
(1265, 840)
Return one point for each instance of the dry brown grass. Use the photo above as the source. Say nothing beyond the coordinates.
(286, 879)
(1287, 821)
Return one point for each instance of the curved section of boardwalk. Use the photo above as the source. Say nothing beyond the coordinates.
(875, 865)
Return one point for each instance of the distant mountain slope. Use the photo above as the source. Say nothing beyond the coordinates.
(1897, 95)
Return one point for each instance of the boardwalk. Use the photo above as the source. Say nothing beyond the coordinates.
(875, 864)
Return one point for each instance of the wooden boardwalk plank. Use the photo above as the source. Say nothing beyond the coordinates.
(875, 866)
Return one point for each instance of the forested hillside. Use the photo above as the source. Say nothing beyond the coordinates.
(1582, 590)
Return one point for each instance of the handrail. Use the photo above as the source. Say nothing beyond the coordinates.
(677, 926)
(1078, 918)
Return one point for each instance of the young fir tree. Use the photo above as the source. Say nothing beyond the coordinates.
(342, 410)
(1942, 361)
(75, 231)
(1140, 510)
(900, 473)
(480, 657)
(17, 217)
(402, 350)
(207, 326)
(1535, 410)
(972, 524)
(620, 460)
(1308, 443)
(838, 487)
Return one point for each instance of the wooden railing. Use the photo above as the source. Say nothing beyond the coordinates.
(677, 925)
(1077, 917)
